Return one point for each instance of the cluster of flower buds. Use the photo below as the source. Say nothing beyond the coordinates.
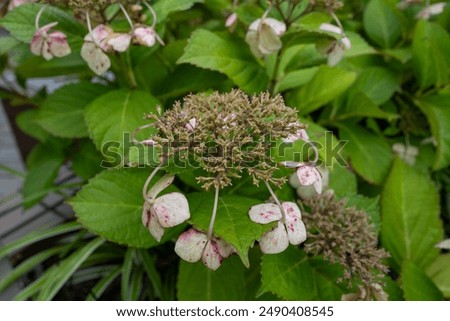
(100, 40)
(334, 48)
(263, 35)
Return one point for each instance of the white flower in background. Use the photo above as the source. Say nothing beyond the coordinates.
(334, 49)
(288, 230)
(49, 45)
(406, 153)
(119, 42)
(193, 245)
(263, 36)
(94, 48)
(146, 36)
(231, 20)
(166, 211)
(445, 244)
(402, 5)
(308, 191)
(16, 3)
(431, 10)
(307, 175)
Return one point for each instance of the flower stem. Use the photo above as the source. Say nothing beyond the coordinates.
(152, 11)
(147, 183)
(38, 17)
(277, 201)
(126, 16)
(214, 214)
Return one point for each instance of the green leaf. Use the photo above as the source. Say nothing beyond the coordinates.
(103, 284)
(27, 122)
(369, 205)
(296, 78)
(430, 52)
(20, 21)
(227, 55)
(379, 84)
(437, 111)
(86, 160)
(232, 223)
(37, 236)
(62, 112)
(42, 172)
(359, 46)
(327, 84)
(112, 118)
(125, 290)
(410, 210)
(198, 283)
(292, 276)
(7, 43)
(28, 265)
(439, 272)
(370, 154)
(382, 24)
(66, 269)
(164, 8)
(342, 181)
(360, 105)
(110, 205)
(417, 286)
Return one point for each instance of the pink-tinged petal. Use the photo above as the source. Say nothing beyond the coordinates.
(36, 44)
(191, 124)
(59, 47)
(43, 30)
(318, 186)
(308, 175)
(171, 209)
(99, 34)
(97, 60)
(254, 26)
(190, 245)
(46, 53)
(347, 43)
(335, 55)
(150, 221)
(225, 249)
(211, 256)
(160, 185)
(328, 27)
(231, 20)
(295, 228)
(301, 134)
(149, 142)
(16, 3)
(274, 241)
(278, 27)
(445, 244)
(145, 36)
(265, 213)
(120, 42)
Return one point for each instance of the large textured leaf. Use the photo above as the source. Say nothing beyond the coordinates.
(437, 110)
(110, 205)
(327, 84)
(370, 154)
(417, 286)
(115, 115)
(198, 283)
(20, 21)
(232, 224)
(292, 276)
(410, 225)
(62, 112)
(381, 23)
(227, 55)
(165, 7)
(439, 272)
(360, 105)
(430, 50)
(379, 84)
